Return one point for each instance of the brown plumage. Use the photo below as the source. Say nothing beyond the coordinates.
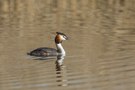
(58, 39)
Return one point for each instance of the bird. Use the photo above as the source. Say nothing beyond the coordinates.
(49, 52)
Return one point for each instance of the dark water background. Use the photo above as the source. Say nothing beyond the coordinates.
(100, 52)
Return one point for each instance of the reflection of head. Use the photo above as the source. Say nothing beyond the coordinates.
(61, 71)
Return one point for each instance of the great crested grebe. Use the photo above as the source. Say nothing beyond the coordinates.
(48, 52)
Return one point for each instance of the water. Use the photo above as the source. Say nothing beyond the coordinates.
(100, 51)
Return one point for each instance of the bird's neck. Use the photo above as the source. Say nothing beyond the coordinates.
(60, 49)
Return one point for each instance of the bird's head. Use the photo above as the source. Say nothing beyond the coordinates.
(60, 37)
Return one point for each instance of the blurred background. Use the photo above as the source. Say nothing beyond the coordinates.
(100, 52)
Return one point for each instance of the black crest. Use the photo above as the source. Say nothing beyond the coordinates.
(60, 33)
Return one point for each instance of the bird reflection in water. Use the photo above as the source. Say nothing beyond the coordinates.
(61, 71)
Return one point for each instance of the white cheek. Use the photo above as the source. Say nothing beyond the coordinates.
(62, 38)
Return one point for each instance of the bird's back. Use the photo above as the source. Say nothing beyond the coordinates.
(44, 52)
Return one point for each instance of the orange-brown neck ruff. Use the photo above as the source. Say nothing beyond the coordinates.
(58, 39)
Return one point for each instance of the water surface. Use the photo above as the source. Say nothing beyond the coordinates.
(100, 52)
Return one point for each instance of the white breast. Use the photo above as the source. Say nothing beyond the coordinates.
(60, 49)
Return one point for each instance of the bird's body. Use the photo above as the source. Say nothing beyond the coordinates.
(49, 52)
(43, 52)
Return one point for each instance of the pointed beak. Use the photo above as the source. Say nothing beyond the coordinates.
(67, 38)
